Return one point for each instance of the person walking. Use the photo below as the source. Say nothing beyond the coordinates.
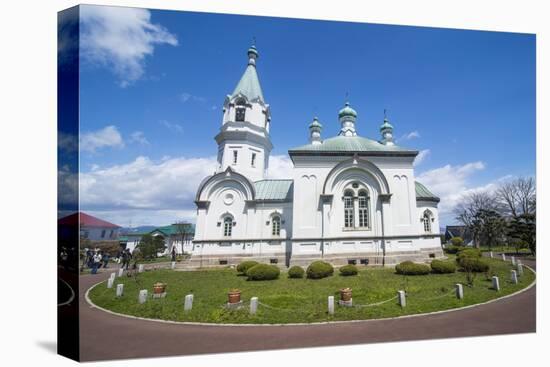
(106, 258)
(173, 253)
(96, 260)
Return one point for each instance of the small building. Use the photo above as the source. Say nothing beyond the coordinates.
(178, 235)
(92, 228)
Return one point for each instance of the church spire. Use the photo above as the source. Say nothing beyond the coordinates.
(315, 132)
(249, 85)
(386, 129)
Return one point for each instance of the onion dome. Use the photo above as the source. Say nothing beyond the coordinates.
(347, 111)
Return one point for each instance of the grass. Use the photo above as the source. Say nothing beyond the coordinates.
(300, 300)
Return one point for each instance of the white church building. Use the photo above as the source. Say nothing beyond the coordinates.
(350, 199)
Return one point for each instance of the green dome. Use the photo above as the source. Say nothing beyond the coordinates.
(386, 125)
(347, 111)
(252, 50)
(315, 123)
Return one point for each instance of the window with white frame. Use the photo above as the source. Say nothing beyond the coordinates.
(348, 209)
(427, 221)
(227, 226)
(363, 212)
(276, 226)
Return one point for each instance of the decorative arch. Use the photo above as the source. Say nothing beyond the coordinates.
(356, 167)
(210, 184)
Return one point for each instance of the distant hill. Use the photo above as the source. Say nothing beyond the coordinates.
(139, 229)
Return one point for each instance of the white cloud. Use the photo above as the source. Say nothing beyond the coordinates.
(172, 126)
(139, 137)
(185, 97)
(106, 137)
(422, 155)
(121, 38)
(409, 136)
(67, 187)
(280, 166)
(67, 142)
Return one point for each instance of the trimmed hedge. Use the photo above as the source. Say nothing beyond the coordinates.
(348, 270)
(410, 268)
(296, 272)
(443, 267)
(474, 264)
(473, 253)
(451, 249)
(263, 272)
(457, 241)
(245, 265)
(319, 269)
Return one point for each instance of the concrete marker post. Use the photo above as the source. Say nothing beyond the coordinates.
(520, 268)
(513, 261)
(503, 257)
(514, 277)
(119, 290)
(142, 298)
(496, 284)
(253, 305)
(331, 305)
(120, 272)
(140, 268)
(173, 265)
(402, 298)
(188, 304)
(491, 254)
(110, 282)
(459, 291)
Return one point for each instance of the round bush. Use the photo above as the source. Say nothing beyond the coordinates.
(296, 272)
(473, 253)
(348, 270)
(474, 265)
(457, 241)
(263, 272)
(319, 269)
(410, 268)
(245, 265)
(451, 249)
(443, 267)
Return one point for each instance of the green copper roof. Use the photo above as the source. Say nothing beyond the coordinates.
(347, 111)
(348, 144)
(249, 85)
(422, 192)
(386, 125)
(315, 123)
(172, 229)
(273, 189)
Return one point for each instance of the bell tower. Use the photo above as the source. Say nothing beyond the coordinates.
(243, 141)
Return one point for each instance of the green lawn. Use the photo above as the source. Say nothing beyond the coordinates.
(300, 300)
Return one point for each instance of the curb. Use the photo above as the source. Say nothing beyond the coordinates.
(93, 305)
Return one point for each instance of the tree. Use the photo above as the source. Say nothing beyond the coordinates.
(517, 197)
(182, 230)
(470, 205)
(150, 246)
(489, 227)
(523, 230)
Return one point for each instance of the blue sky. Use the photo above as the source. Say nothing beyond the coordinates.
(152, 91)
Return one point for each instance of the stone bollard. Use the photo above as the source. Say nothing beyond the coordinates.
(188, 304)
(113, 275)
(503, 257)
(496, 285)
(119, 290)
(331, 305)
(120, 272)
(459, 291)
(513, 261)
(142, 296)
(110, 282)
(491, 254)
(514, 277)
(402, 298)
(253, 305)
(520, 268)
(140, 268)
(173, 265)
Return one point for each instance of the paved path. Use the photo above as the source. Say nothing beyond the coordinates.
(106, 336)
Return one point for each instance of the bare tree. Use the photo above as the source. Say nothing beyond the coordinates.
(182, 230)
(517, 197)
(470, 205)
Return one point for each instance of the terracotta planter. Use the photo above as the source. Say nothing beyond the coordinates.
(345, 294)
(234, 296)
(159, 288)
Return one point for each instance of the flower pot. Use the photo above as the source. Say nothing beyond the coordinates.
(234, 296)
(345, 294)
(159, 288)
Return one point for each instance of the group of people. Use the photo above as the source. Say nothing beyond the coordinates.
(95, 259)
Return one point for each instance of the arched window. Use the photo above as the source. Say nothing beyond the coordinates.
(240, 114)
(427, 221)
(227, 226)
(348, 209)
(276, 226)
(363, 209)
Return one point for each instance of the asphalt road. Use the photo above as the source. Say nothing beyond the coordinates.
(106, 336)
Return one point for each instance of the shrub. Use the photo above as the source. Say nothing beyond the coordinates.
(410, 268)
(263, 272)
(296, 272)
(474, 265)
(457, 241)
(443, 267)
(451, 249)
(319, 269)
(348, 270)
(473, 253)
(245, 265)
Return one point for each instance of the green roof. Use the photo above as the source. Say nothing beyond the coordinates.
(249, 85)
(315, 123)
(273, 189)
(172, 229)
(349, 144)
(422, 193)
(347, 111)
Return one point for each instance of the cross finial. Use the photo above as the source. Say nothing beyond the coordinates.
(254, 41)
(384, 113)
